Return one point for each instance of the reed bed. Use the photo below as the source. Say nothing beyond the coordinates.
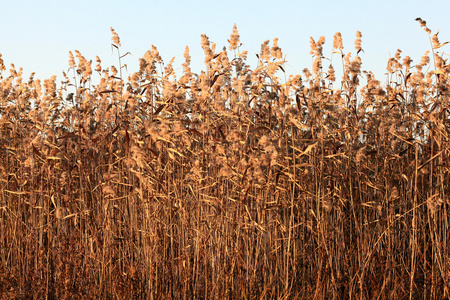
(234, 183)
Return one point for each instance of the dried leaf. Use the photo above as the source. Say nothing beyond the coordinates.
(107, 91)
(36, 151)
(70, 135)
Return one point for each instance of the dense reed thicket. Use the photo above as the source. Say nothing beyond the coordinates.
(233, 183)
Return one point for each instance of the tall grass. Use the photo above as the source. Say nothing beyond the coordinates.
(231, 183)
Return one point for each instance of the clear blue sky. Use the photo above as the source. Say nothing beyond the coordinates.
(37, 35)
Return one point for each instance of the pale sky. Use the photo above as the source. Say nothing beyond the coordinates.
(37, 35)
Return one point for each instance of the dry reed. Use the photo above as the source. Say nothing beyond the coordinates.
(231, 183)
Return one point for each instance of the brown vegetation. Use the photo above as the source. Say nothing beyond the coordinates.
(232, 183)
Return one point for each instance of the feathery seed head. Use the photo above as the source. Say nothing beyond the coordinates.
(314, 49)
(2, 66)
(435, 40)
(358, 41)
(71, 60)
(275, 51)
(265, 50)
(425, 60)
(234, 39)
(407, 62)
(207, 49)
(424, 25)
(98, 67)
(331, 74)
(337, 41)
(115, 38)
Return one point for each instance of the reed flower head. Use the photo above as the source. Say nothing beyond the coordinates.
(98, 67)
(88, 69)
(331, 74)
(358, 41)
(275, 51)
(435, 40)
(115, 38)
(2, 65)
(155, 54)
(71, 60)
(423, 24)
(317, 65)
(307, 73)
(265, 50)
(186, 55)
(234, 39)
(337, 41)
(320, 44)
(398, 54)
(207, 49)
(113, 70)
(313, 45)
(425, 60)
(407, 62)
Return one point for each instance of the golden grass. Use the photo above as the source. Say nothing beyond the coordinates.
(232, 183)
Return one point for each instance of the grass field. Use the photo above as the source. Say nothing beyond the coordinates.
(234, 183)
